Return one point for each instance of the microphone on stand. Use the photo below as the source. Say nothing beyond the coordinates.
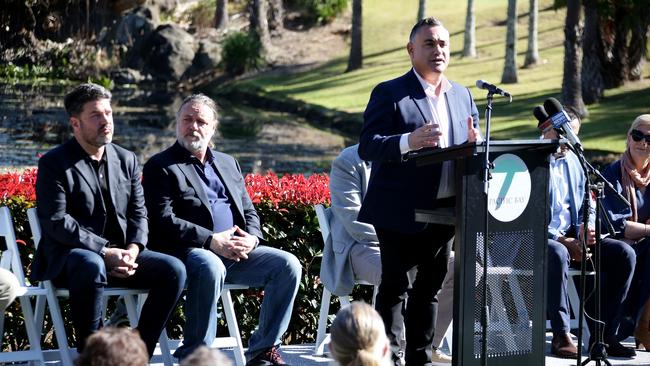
(561, 122)
(482, 84)
(543, 122)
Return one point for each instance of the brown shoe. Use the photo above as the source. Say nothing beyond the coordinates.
(562, 346)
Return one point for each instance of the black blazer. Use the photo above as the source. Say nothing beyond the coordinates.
(397, 187)
(178, 205)
(70, 206)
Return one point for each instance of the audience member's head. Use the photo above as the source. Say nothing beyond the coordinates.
(204, 356)
(112, 346)
(359, 337)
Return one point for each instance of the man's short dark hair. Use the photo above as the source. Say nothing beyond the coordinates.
(112, 346)
(74, 101)
(426, 22)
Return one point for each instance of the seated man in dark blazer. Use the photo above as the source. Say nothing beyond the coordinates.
(203, 215)
(91, 209)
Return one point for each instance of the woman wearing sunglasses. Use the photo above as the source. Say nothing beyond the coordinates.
(630, 175)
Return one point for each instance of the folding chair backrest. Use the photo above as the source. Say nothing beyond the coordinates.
(323, 214)
(35, 225)
(10, 257)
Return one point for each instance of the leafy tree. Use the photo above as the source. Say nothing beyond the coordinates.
(355, 61)
(509, 75)
(469, 46)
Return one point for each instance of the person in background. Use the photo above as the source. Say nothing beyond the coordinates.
(112, 346)
(358, 337)
(630, 176)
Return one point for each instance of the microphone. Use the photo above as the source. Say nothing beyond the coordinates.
(482, 84)
(543, 122)
(562, 122)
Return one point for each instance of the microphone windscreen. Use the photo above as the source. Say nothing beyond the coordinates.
(540, 113)
(552, 106)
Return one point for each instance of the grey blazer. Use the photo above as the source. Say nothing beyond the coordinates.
(348, 183)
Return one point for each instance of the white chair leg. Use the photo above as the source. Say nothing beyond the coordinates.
(59, 328)
(32, 334)
(321, 334)
(39, 313)
(233, 327)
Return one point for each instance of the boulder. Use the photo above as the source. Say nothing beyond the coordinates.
(126, 76)
(168, 52)
(207, 58)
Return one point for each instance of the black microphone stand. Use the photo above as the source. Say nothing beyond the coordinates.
(597, 351)
(487, 165)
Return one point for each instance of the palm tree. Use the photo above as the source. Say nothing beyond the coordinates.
(276, 15)
(592, 83)
(259, 25)
(355, 61)
(221, 15)
(571, 81)
(422, 9)
(532, 54)
(469, 47)
(510, 67)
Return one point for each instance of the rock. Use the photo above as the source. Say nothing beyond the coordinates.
(126, 76)
(166, 6)
(206, 58)
(169, 52)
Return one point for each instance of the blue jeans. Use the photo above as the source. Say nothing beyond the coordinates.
(557, 299)
(277, 271)
(84, 275)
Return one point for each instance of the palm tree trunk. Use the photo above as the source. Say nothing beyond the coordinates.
(571, 81)
(355, 61)
(276, 16)
(532, 54)
(259, 25)
(469, 42)
(422, 9)
(221, 14)
(510, 67)
(593, 85)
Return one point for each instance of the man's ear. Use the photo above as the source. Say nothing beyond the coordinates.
(409, 48)
(74, 122)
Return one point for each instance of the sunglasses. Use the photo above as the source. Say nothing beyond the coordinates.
(638, 136)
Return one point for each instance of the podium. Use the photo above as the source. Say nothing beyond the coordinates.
(517, 228)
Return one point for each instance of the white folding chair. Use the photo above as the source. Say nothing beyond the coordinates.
(322, 337)
(11, 261)
(52, 294)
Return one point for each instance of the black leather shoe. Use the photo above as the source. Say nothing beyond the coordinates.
(615, 349)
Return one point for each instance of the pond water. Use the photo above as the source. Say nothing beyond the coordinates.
(33, 120)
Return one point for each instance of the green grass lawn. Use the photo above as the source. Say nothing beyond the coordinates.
(386, 27)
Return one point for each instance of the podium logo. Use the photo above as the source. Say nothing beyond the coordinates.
(509, 190)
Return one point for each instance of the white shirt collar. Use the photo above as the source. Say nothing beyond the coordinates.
(444, 87)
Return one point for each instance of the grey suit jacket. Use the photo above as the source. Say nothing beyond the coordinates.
(70, 206)
(348, 184)
(178, 206)
(398, 187)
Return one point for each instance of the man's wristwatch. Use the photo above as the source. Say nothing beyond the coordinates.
(102, 253)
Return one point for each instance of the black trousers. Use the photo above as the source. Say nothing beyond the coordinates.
(413, 266)
(84, 274)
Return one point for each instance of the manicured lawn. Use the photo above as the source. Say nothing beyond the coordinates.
(386, 27)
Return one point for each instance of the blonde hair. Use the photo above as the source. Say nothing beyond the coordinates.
(359, 337)
(643, 119)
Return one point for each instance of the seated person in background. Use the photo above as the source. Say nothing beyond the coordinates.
(204, 356)
(91, 210)
(8, 288)
(352, 249)
(630, 175)
(198, 203)
(359, 338)
(565, 229)
(112, 346)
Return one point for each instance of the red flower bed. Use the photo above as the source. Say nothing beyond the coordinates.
(291, 189)
(18, 184)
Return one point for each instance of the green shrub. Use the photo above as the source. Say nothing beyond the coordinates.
(241, 52)
(322, 11)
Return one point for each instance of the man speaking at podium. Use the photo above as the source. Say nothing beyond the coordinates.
(420, 109)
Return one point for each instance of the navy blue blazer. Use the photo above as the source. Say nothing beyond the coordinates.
(70, 206)
(178, 206)
(398, 187)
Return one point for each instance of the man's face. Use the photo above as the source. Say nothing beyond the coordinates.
(94, 125)
(429, 51)
(195, 126)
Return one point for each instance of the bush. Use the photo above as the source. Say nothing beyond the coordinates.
(285, 206)
(322, 11)
(241, 52)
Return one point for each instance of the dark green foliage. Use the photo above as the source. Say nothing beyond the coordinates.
(322, 11)
(241, 52)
